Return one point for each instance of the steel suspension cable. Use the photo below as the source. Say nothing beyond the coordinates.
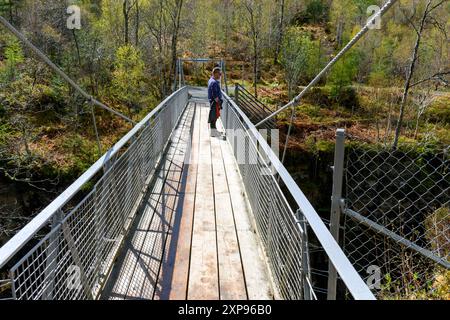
(291, 124)
(352, 43)
(97, 135)
(59, 71)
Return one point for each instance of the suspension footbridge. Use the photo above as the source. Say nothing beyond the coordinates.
(177, 211)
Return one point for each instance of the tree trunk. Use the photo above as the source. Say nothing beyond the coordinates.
(416, 130)
(25, 141)
(138, 22)
(255, 67)
(176, 29)
(11, 12)
(388, 125)
(339, 32)
(165, 83)
(412, 67)
(227, 25)
(126, 21)
(77, 47)
(280, 33)
(255, 41)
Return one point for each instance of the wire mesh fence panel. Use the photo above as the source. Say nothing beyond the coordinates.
(80, 242)
(397, 219)
(275, 220)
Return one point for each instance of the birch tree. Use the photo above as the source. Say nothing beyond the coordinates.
(426, 19)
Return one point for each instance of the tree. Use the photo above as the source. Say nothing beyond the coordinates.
(128, 77)
(316, 11)
(280, 30)
(14, 56)
(297, 57)
(425, 19)
(344, 72)
(175, 15)
(422, 102)
(253, 19)
(137, 23)
(127, 7)
(227, 22)
(345, 14)
(10, 8)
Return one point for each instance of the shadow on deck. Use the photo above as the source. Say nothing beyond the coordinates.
(193, 237)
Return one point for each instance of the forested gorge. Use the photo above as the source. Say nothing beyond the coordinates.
(393, 88)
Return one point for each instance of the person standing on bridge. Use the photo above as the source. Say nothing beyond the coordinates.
(215, 97)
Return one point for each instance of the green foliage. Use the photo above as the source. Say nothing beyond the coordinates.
(436, 289)
(344, 71)
(9, 6)
(346, 97)
(319, 96)
(318, 146)
(13, 56)
(316, 11)
(439, 111)
(383, 63)
(299, 56)
(128, 77)
(5, 133)
(83, 153)
(342, 76)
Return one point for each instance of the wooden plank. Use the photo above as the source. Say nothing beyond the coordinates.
(122, 273)
(231, 279)
(176, 284)
(253, 257)
(195, 239)
(151, 257)
(165, 276)
(141, 264)
(203, 276)
(134, 268)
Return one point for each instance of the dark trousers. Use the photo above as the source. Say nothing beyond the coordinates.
(213, 115)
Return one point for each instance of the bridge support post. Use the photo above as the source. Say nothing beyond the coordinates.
(338, 176)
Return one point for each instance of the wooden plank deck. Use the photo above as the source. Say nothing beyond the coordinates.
(193, 238)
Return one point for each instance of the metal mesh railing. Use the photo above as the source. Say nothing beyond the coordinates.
(283, 241)
(283, 217)
(397, 219)
(253, 108)
(76, 254)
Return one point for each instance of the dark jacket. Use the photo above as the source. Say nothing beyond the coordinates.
(214, 90)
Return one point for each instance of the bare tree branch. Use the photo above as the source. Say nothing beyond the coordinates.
(437, 76)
